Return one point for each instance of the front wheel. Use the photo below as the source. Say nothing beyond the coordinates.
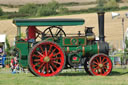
(46, 59)
(100, 65)
(86, 64)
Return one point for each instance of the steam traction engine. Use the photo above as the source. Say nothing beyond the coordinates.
(57, 51)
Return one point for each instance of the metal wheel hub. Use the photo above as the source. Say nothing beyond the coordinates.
(46, 59)
(100, 65)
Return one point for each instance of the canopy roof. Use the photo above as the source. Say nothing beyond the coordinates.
(48, 22)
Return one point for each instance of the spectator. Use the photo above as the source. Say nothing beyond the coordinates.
(3, 59)
(31, 33)
(14, 65)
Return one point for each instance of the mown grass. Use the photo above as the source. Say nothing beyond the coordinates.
(117, 77)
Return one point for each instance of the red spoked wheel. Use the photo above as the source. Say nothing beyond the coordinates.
(100, 65)
(46, 59)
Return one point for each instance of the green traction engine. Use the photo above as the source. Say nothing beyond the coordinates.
(55, 50)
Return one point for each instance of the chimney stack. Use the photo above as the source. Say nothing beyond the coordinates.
(101, 25)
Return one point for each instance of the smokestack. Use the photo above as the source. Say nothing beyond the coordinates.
(101, 25)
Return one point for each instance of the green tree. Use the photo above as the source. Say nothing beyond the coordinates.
(1, 12)
(100, 4)
(63, 10)
(30, 9)
(118, 0)
(8, 47)
(111, 4)
(48, 9)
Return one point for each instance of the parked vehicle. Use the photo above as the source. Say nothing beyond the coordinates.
(56, 50)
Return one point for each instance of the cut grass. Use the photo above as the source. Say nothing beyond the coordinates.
(117, 77)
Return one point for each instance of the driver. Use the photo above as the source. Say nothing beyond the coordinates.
(31, 33)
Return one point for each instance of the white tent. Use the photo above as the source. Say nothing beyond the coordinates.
(2, 38)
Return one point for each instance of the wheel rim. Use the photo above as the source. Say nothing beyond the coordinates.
(100, 65)
(47, 59)
(86, 66)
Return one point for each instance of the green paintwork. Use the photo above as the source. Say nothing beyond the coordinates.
(74, 41)
(23, 53)
(92, 49)
(48, 22)
(24, 49)
(75, 44)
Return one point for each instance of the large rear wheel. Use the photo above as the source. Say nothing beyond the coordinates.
(100, 64)
(46, 59)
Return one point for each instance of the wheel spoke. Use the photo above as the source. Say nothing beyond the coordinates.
(36, 60)
(50, 49)
(47, 67)
(106, 65)
(53, 65)
(103, 60)
(40, 66)
(94, 65)
(95, 62)
(36, 64)
(100, 70)
(56, 54)
(106, 68)
(55, 58)
(58, 32)
(52, 53)
(41, 49)
(51, 68)
(46, 53)
(96, 68)
(56, 62)
(51, 32)
(40, 54)
(100, 59)
(103, 70)
(43, 69)
(34, 55)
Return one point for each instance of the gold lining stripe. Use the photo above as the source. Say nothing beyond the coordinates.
(67, 49)
(83, 50)
(98, 47)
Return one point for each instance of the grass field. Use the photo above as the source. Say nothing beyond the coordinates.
(117, 77)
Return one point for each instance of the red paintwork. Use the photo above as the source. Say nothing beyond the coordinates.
(105, 69)
(53, 66)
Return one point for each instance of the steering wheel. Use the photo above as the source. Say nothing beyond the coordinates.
(54, 32)
(39, 35)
